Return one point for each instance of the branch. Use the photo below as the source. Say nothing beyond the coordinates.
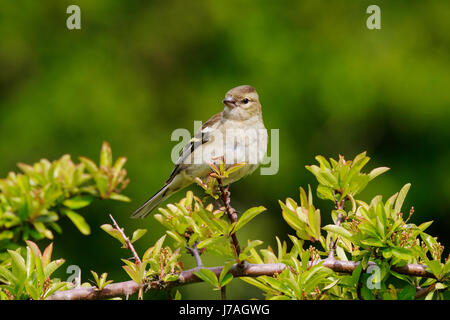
(422, 292)
(231, 213)
(196, 254)
(223, 293)
(135, 255)
(127, 241)
(339, 206)
(238, 270)
(186, 277)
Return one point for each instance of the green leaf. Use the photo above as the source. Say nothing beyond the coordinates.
(158, 245)
(207, 276)
(18, 264)
(113, 232)
(47, 255)
(402, 253)
(325, 193)
(32, 291)
(132, 274)
(96, 278)
(324, 164)
(258, 284)
(435, 267)
(119, 197)
(341, 253)
(381, 228)
(247, 216)
(7, 275)
(39, 270)
(429, 240)
(177, 295)
(252, 244)
(138, 234)
(42, 229)
(226, 279)
(358, 183)
(376, 172)
(357, 164)
(356, 274)
(367, 293)
(224, 271)
(176, 237)
(387, 253)
(90, 165)
(338, 230)
(372, 242)
(291, 218)
(52, 267)
(78, 202)
(34, 248)
(323, 176)
(101, 283)
(117, 168)
(29, 262)
(170, 277)
(235, 167)
(78, 221)
(401, 197)
(446, 268)
(425, 225)
(106, 155)
(276, 284)
(6, 235)
(407, 293)
(207, 242)
(331, 285)
(102, 182)
(53, 288)
(430, 295)
(440, 286)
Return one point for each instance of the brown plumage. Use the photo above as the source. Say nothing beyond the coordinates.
(242, 111)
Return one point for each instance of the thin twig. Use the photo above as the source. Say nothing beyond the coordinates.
(135, 255)
(223, 293)
(127, 241)
(358, 289)
(422, 292)
(334, 241)
(339, 206)
(232, 216)
(196, 254)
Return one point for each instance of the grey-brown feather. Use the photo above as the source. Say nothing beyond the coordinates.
(200, 137)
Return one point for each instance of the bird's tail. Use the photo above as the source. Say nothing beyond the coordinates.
(152, 203)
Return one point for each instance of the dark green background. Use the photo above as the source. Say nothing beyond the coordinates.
(137, 70)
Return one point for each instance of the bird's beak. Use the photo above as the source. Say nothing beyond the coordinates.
(229, 101)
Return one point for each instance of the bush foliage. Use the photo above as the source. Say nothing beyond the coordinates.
(32, 202)
(376, 238)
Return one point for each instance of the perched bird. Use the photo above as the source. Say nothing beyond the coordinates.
(237, 134)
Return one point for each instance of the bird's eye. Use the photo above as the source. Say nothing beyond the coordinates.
(244, 101)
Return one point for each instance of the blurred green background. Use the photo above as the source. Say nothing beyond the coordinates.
(137, 70)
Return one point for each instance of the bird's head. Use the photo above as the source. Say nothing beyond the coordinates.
(241, 103)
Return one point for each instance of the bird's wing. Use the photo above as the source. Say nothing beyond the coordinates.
(200, 137)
